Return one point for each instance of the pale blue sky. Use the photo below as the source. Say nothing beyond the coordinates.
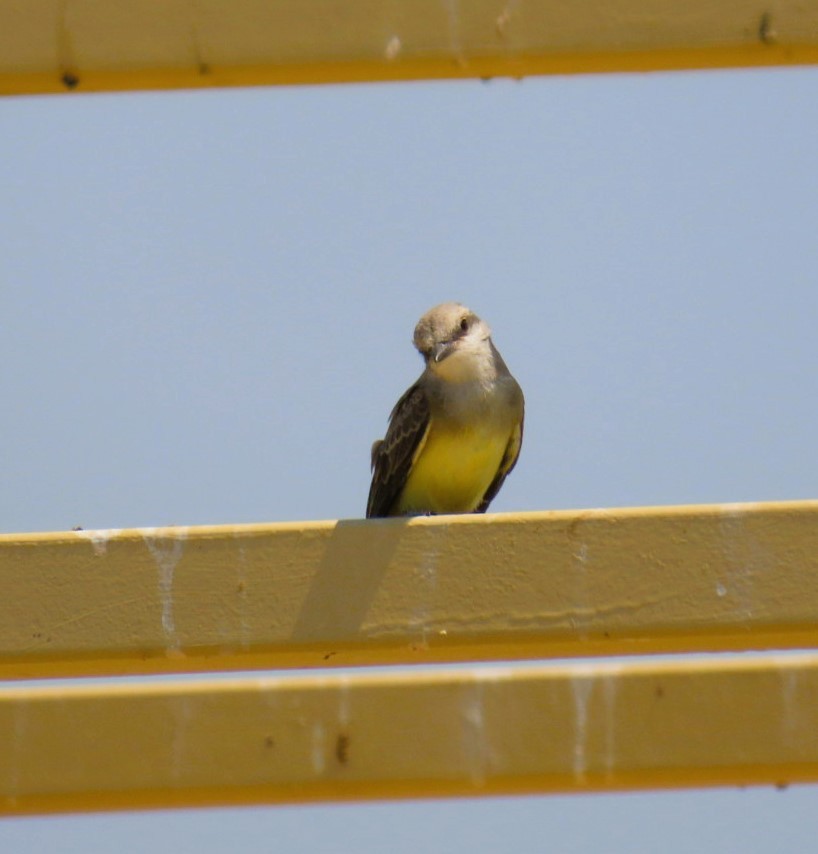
(206, 307)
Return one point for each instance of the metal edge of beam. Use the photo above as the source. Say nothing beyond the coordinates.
(486, 69)
(53, 46)
(463, 732)
(440, 589)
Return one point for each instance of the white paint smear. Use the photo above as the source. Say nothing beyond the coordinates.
(319, 740)
(609, 683)
(393, 47)
(166, 549)
(452, 9)
(474, 729)
(582, 686)
(99, 538)
(425, 591)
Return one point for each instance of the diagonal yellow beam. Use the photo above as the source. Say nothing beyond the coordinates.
(735, 721)
(441, 589)
(97, 45)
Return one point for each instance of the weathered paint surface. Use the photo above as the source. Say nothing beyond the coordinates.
(81, 46)
(456, 588)
(724, 720)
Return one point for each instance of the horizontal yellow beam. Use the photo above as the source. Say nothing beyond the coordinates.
(736, 721)
(438, 589)
(90, 45)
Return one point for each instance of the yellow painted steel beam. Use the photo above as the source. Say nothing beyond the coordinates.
(439, 589)
(98, 45)
(735, 721)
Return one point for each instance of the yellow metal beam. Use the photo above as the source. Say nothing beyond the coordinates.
(98, 45)
(440, 589)
(740, 720)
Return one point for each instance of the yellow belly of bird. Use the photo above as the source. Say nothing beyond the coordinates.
(453, 470)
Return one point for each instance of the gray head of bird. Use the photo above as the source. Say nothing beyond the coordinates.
(449, 336)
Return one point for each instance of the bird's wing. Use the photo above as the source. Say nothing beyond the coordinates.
(506, 465)
(392, 457)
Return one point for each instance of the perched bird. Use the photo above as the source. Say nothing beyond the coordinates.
(456, 433)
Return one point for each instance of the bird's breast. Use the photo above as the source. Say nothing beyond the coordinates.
(454, 467)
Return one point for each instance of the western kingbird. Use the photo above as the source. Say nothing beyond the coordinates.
(456, 433)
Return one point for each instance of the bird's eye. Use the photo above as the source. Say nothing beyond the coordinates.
(464, 324)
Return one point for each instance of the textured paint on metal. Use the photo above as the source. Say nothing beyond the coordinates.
(96, 45)
(471, 731)
(449, 588)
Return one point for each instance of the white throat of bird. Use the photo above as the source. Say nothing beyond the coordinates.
(469, 359)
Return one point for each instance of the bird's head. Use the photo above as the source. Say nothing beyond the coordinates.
(450, 337)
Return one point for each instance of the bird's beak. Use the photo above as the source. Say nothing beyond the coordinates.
(442, 350)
